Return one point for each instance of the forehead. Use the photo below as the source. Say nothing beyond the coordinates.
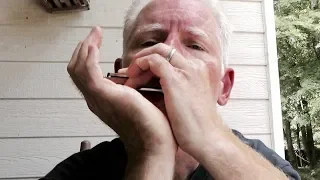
(194, 13)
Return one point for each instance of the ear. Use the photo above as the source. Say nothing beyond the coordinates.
(227, 84)
(117, 65)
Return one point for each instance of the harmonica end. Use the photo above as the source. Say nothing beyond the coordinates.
(116, 75)
(152, 86)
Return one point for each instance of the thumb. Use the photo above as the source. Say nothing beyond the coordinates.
(93, 68)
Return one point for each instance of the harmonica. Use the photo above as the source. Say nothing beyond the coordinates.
(152, 86)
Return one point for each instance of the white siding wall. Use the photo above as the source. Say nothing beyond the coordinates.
(43, 118)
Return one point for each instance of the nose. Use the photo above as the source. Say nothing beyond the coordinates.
(174, 41)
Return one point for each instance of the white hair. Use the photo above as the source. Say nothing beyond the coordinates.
(223, 30)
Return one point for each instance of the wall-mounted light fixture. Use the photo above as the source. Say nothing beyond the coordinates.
(54, 6)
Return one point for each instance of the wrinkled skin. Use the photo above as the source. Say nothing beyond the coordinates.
(120, 107)
(192, 83)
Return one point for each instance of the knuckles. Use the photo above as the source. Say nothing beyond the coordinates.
(77, 70)
(155, 57)
(198, 66)
(70, 68)
(160, 46)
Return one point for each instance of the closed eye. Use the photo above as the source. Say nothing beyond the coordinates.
(148, 44)
(196, 47)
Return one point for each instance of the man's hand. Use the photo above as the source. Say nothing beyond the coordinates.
(142, 127)
(188, 93)
(191, 107)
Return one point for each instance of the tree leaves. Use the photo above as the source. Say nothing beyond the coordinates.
(298, 44)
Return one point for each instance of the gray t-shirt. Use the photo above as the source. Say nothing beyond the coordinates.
(260, 147)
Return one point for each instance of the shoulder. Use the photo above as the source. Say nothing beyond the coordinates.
(105, 160)
(114, 147)
(270, 155)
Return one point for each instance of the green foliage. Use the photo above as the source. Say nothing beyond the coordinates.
(290, 7)
(298, 43)
(309, 174)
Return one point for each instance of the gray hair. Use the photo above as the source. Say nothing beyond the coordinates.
(224, 28)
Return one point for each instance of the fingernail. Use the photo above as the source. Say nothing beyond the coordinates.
(96, 28)
(123, 70)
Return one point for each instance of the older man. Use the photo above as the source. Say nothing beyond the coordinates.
(178, 134)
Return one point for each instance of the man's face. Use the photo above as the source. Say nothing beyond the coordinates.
(186, 25)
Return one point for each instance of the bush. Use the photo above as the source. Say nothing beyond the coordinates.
(310, 174)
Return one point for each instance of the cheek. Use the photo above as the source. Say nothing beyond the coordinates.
(215, 75)
(127, 59)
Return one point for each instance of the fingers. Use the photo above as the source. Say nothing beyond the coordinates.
(123, 70)
(92, 68)
(74, 58)
(71, 68)
(154, 60)
(137, 82)
(84, 65)
(92, 42)
(155, 63)
(118, 80)
(95, 36)
(159, 53)
(91, 75)
(164, 50)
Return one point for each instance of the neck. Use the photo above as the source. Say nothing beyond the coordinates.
(185, 165)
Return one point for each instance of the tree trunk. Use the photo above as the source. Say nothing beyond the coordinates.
(305, 142)
(300, 162)
(298, 136)
(310, 144)
(291, 155)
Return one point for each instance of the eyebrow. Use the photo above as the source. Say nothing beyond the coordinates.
(150, 28)
(196, 31)
(157, 27)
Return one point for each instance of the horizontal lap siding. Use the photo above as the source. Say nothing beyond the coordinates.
(62, 118)
(56, 44)
(34, 157)
(44, 118)
(244, 16)
(51, 80)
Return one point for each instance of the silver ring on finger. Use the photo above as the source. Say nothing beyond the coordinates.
(170, 55)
